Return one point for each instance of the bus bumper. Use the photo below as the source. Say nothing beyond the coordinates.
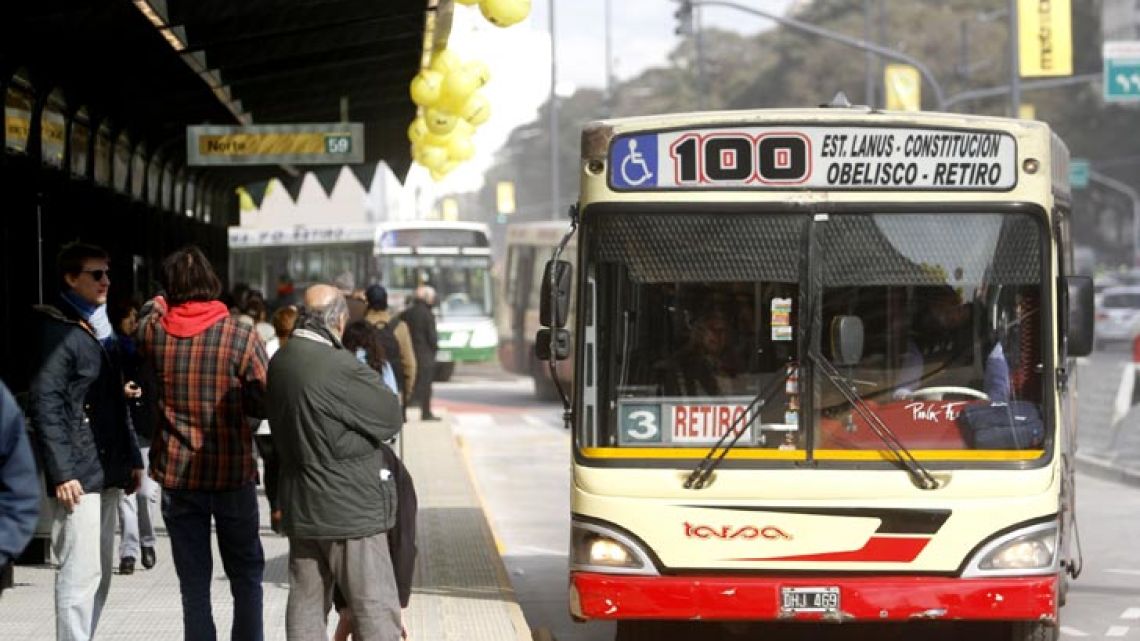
(886, 598)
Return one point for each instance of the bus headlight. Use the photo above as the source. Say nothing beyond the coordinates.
(484, 336)
(595, 548)
(1031, 550)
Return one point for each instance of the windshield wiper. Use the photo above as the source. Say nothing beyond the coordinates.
(700, 475)
(921, 476)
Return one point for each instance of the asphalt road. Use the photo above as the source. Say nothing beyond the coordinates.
(519, 454)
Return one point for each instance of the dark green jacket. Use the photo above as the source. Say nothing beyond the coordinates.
(329, 413)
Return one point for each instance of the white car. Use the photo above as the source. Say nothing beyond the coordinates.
(1118, 313)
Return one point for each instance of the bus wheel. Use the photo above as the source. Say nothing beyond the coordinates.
(544, 388)
(1034, 631)
(443, 372)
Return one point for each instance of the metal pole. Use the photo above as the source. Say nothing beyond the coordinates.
(609, 57)
(1132, 195)
(1044, 83)
(827, 34)
(554, 195)
(1014, 63)
(699, 42)
(869, 65)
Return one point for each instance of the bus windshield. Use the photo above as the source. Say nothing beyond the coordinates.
(697, 312)
(462, 283)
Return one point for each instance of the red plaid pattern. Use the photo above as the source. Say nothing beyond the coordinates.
(207, 386)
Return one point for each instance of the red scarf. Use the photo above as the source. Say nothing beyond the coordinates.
(193, 317)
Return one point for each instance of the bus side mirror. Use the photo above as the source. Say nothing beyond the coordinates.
(1081, 315)
(846, 340)
(555, 307)
(545, 349)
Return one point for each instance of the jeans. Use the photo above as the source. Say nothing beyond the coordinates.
(83, 543)
(135, 514)
(187, 514)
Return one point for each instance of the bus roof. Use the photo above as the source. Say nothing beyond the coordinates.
(547, 233)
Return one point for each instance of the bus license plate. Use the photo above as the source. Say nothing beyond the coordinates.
(824, 599)
(443, 356)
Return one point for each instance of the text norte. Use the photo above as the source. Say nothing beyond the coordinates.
(730, 532)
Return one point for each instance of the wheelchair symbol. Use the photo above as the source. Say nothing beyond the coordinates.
(634, 157)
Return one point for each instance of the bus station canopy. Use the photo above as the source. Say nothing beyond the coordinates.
(153, 67)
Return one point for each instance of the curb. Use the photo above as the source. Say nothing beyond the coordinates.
(518, 618)
(1106, 470)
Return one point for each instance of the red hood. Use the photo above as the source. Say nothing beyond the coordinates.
(193, 318)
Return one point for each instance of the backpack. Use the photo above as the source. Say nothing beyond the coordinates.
(387, 333)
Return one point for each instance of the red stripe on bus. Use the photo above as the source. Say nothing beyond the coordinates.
(877, 548)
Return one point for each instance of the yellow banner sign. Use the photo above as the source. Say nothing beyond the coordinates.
(258, 144)
(315, 143)
(904, 87)
(1045, 37)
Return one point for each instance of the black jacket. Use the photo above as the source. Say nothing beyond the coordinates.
(77, 406)
(421, 325)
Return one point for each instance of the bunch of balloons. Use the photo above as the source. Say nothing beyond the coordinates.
(451, 107)
(450, 104)
(501, 13)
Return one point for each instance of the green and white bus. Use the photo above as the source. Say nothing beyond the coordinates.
(452, 257)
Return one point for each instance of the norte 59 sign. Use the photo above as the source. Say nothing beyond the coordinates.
(868, 158)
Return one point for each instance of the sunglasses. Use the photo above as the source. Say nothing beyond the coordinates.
(98, 274)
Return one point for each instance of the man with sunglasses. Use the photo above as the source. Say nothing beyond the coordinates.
(78, 407)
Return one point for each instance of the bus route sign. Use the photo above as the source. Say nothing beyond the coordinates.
(836, 158)
(304, 144)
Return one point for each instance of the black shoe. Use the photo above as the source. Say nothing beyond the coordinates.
(148, 557)
(430, 417)
(127, 565)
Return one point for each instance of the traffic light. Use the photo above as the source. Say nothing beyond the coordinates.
(684, 16)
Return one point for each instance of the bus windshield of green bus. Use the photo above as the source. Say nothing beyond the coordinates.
(697, 312)
(462, 283)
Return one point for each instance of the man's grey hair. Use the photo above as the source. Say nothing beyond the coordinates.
(332, 314)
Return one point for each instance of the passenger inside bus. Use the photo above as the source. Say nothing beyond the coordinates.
(944, 336)
(701, 366)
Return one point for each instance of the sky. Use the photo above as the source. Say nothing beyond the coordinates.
(519, 60)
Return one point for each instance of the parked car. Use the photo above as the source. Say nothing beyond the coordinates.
(1118, 313)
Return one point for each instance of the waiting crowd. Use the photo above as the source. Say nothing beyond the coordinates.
(164, 404)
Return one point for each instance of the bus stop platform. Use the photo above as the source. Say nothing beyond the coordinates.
(461, 591)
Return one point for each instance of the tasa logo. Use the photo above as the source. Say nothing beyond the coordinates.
(729, 532)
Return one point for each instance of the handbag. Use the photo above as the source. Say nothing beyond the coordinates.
(1016, 425)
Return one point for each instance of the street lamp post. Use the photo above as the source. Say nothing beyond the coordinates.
(554, 195)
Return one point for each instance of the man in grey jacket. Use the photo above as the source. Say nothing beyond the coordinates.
(329, 414)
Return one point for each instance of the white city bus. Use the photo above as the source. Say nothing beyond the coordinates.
(823, 372)
(528, 246)
(452, 257)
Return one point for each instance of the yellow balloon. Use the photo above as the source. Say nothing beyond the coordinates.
(426, 87)
(433, 157)
(438, 121)
(477, 109)
(437, 175)
(437, 140)
(460, 148)
(417, 153)
(417, 130)
(481, 70)
(444, 61)
(458, 85)
(504, 13)
(448, 167)
(463, 129)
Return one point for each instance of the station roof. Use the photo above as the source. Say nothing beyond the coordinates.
(156, 66)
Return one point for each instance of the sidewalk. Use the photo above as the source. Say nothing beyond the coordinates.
(461, 592)
(1108, 425)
